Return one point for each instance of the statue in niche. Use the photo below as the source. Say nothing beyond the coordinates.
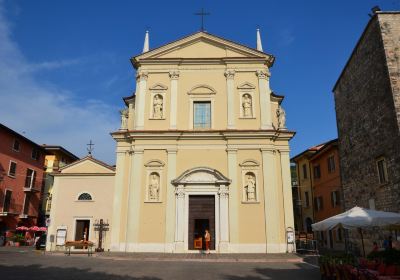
(154, 187)
(250, 187)
(281, 115)
(247, 106)
(124, 118)
(158, 107)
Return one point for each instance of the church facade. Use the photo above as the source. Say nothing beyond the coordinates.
(202, 145)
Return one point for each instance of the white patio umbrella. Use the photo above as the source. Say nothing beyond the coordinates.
(358, 217)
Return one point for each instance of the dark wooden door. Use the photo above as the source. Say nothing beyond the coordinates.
(201, 217)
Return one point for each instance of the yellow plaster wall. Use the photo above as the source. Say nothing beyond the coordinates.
(153, 79)
(251, 216)
(152, 219)
(68, 208)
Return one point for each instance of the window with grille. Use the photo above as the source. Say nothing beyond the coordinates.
(85, 196)
(201, 114)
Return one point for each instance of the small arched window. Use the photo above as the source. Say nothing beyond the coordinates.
(85, 196)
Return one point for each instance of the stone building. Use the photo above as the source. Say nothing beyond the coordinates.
(367, 101)
(203, 144)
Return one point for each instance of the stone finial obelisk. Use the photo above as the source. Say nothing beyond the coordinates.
(259, 44)
(146, 42)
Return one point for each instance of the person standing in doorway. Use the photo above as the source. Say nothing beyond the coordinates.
(207, 238)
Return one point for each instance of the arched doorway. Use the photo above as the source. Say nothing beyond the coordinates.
(207, 190)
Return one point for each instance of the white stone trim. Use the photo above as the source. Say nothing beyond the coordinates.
(253, 167)
(159, 171)
(200, 190)
(265, 99)
(271, 203)
(91, 230)
(153, 93)
(230, 76)
(202, 99)
(250, 91)
(117, 199)
(170, 201)
(173, 111)
(134, 197)
(233, 196)
(201, 181)
(141, 100)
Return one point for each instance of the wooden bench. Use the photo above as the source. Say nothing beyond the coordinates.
(88, 244)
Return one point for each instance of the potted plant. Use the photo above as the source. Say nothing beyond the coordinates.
(19, 240)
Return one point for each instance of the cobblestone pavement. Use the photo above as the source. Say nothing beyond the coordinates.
(25, 263)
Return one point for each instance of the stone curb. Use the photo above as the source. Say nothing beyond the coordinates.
(205, 259)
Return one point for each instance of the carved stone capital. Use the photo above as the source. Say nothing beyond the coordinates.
(180, 192)
(223, 192)
(174, 75)
(142, 75)
(263, 74)
(229, 74)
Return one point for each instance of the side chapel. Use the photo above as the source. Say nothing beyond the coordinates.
(202, 145)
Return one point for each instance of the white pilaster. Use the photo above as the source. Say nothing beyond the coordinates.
(180, 221)
(133, 220)
(230, 75)
(224, 219)
(117, 202)
(265, 99)
(287, 189)
(233, 196)
(170, 202)
(141, 98)
(174, 75)
(271, 202)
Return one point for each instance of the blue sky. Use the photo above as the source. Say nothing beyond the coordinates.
(64, 65)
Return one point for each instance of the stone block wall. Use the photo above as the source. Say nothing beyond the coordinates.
(367, 101)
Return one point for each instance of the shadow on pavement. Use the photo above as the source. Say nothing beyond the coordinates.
(308, 273)
(36, 272)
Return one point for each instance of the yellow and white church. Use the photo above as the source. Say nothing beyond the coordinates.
(202, 145)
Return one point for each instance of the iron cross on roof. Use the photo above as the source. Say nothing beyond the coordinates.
(202, 13)
(90, 148)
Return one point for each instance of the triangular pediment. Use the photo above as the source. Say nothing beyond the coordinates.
(87, 165)
(203, 45)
